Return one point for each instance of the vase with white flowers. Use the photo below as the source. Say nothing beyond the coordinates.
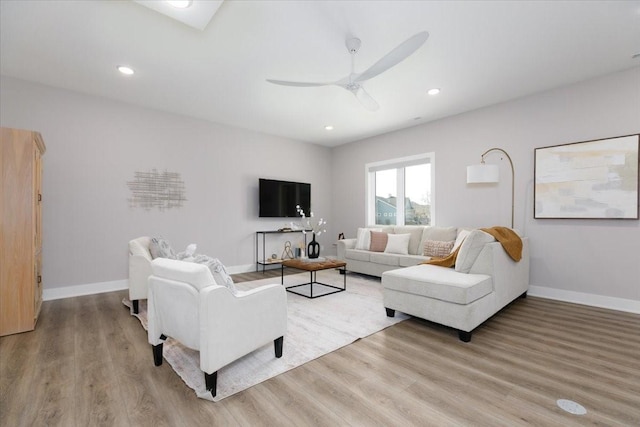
(315, 226)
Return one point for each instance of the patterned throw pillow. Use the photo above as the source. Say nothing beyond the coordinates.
(436, 248)
(378, 241)
(160, 248)
(221, 276)
(218, 271)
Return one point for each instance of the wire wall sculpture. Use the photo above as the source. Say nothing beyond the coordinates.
(161, 190)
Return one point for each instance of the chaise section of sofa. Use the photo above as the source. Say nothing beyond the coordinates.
(485, 279)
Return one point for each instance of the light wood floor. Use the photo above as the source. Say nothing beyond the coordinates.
(88, 364)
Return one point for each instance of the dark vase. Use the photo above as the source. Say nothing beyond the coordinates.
(313, 249)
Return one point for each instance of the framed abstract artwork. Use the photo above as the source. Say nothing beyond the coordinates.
(592, 179)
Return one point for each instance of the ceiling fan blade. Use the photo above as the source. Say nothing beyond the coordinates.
(366, 100)
(397, 55)
(297, 84)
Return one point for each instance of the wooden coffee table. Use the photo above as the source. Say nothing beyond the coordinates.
(313, 267)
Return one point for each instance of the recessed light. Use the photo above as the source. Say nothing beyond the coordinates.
(125, 70)
(433, 91)
(180, 4)
(328, 127)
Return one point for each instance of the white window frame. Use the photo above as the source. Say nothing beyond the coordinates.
(402, 162)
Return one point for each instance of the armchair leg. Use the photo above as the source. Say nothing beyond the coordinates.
(464, 336)
(211, 381)
(135, 306)
(277, 344)
(157, 354)
(390, 312)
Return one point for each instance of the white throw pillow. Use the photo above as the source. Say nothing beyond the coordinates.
(363, 238)
(461, 236)
(471, 248)
(415, 241)
(398, 244)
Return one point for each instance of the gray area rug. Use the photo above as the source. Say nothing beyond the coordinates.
(314, 327)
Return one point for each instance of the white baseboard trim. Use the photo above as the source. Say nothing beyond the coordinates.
(613, 303)
(237, 269)
(81, 290)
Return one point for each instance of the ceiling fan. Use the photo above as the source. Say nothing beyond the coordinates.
(353, 82)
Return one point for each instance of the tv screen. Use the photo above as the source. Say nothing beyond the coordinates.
(278, 199)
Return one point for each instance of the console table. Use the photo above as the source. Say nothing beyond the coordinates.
(264, 234)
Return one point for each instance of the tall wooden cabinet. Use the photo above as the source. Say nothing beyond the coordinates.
(20, 229)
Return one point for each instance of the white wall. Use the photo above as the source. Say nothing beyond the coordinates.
(95, 145)
(570, 259)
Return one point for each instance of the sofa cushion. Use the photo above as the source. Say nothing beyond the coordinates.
(470, 249)
(416, 232)
(462, 234)
(437, 282)
(398, 244)
(444, 234)
(357, 255)
(385, 259)
(378, 241)
(410, 260)
(437, 248)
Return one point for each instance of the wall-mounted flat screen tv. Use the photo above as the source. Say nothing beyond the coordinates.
(278, 199)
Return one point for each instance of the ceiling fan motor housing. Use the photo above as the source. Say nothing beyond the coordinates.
(353, 45)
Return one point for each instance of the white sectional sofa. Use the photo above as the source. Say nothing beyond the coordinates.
(483, 281)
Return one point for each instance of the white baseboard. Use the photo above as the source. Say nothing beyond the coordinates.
(237, 269)
(613, 303)
(80, 290)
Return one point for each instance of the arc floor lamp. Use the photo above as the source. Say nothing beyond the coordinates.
(484, 173)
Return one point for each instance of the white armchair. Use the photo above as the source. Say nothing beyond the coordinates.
(185, 303)
(139, 269)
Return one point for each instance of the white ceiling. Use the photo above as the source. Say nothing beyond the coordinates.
(479, 52)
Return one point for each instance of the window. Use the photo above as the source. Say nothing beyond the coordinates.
(408, 179)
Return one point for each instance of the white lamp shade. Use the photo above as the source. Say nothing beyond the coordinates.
(482, 173)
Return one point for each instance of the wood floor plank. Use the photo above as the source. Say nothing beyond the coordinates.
(89, 363)
(343, 401)
(136, 374)
(53, 390)
(98, 397)
(294, 400)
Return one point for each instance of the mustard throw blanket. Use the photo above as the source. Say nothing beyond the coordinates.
(511, 243)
